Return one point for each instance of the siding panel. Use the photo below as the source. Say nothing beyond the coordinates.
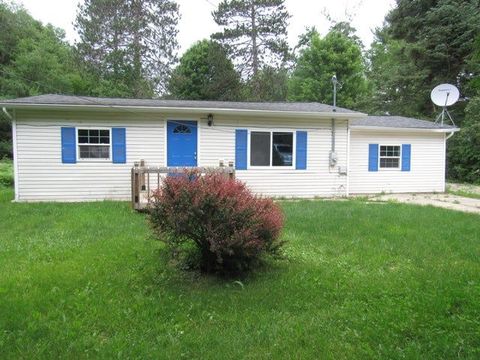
(218, 143)
(427, 163)
(42, 176)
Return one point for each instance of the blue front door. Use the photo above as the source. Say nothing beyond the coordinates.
(181, 143)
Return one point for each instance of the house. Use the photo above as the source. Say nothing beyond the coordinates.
(71, 148)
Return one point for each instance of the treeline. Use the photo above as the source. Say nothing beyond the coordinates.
(128, 48)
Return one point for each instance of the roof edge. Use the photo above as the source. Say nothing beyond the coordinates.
(305, 114)
(408, 129)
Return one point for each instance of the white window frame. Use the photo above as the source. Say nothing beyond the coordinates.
(390, 157)
(80, 159)
(271, 166)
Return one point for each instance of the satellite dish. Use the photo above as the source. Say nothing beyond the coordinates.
(445, 95)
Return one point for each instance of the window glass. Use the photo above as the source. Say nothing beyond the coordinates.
(94, 144)
(182, 129)
(389, 156)
(282, 149)
(94, 152)
(260, 148)
(389, 163)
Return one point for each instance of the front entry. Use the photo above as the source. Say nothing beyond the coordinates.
(182, 143)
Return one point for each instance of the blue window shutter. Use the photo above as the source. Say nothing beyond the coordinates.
(301, 154)
(241, 137)
(373, 157)
(406, 156)
(69, 145)
(119, 146)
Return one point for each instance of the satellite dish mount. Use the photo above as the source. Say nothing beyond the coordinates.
(445, 95)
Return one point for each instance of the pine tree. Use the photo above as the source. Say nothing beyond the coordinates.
(154, 40)
(130, 44)
(423, 43)
(102, 27)
(254, 33)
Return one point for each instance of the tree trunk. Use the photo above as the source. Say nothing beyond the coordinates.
(116, 46)
(254, 50)
(137, 48)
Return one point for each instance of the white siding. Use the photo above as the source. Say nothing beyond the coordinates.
(42, 176)
(427, 163)
(218, 143)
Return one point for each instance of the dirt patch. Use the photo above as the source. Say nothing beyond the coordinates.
(467, 188)
(447, 201)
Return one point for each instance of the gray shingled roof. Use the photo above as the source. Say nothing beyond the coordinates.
(89, 101)
(398, 122)
(370, 121)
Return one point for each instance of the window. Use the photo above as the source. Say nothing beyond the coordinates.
(182, 129)
(94, 144)
(271, 148)
(389, 156)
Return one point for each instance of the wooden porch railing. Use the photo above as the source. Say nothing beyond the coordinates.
(146, 179)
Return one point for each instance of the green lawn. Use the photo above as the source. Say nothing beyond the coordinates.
(360, 281)
(6, 172)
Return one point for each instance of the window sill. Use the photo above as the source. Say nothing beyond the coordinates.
(94, 161)
(271, 168)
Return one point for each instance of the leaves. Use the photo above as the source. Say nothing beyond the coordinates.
(129, 44)
(424, 43)
(205, 73)
(255, 33)
(464, 150)
(322, 58)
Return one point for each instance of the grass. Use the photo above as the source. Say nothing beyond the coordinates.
(464, 190)
(360, 281)
(464, 193)
(6, 173)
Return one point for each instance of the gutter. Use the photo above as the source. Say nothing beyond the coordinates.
(10, 117)
(218, 111)
(385, 128)
(450, 135)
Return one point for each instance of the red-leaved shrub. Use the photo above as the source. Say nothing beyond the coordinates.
(231, 228)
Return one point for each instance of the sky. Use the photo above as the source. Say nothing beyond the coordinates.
(196, 22)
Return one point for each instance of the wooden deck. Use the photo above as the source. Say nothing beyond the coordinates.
(147, 179)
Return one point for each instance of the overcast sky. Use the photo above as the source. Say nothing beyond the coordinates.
(196, 21)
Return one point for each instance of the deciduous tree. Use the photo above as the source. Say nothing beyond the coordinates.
(34, 59)
(205, 73)
(423, 43)
(335, 54)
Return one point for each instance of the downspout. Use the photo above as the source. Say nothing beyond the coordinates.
(14, 141)
(10, 117)
(445, 160)
(348, 158)
(333, 155)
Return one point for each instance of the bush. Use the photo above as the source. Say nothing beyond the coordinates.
(6, 172)
(464, 147)
(231, 228)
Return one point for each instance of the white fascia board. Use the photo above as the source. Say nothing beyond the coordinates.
(218, 111)
(399, 129)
